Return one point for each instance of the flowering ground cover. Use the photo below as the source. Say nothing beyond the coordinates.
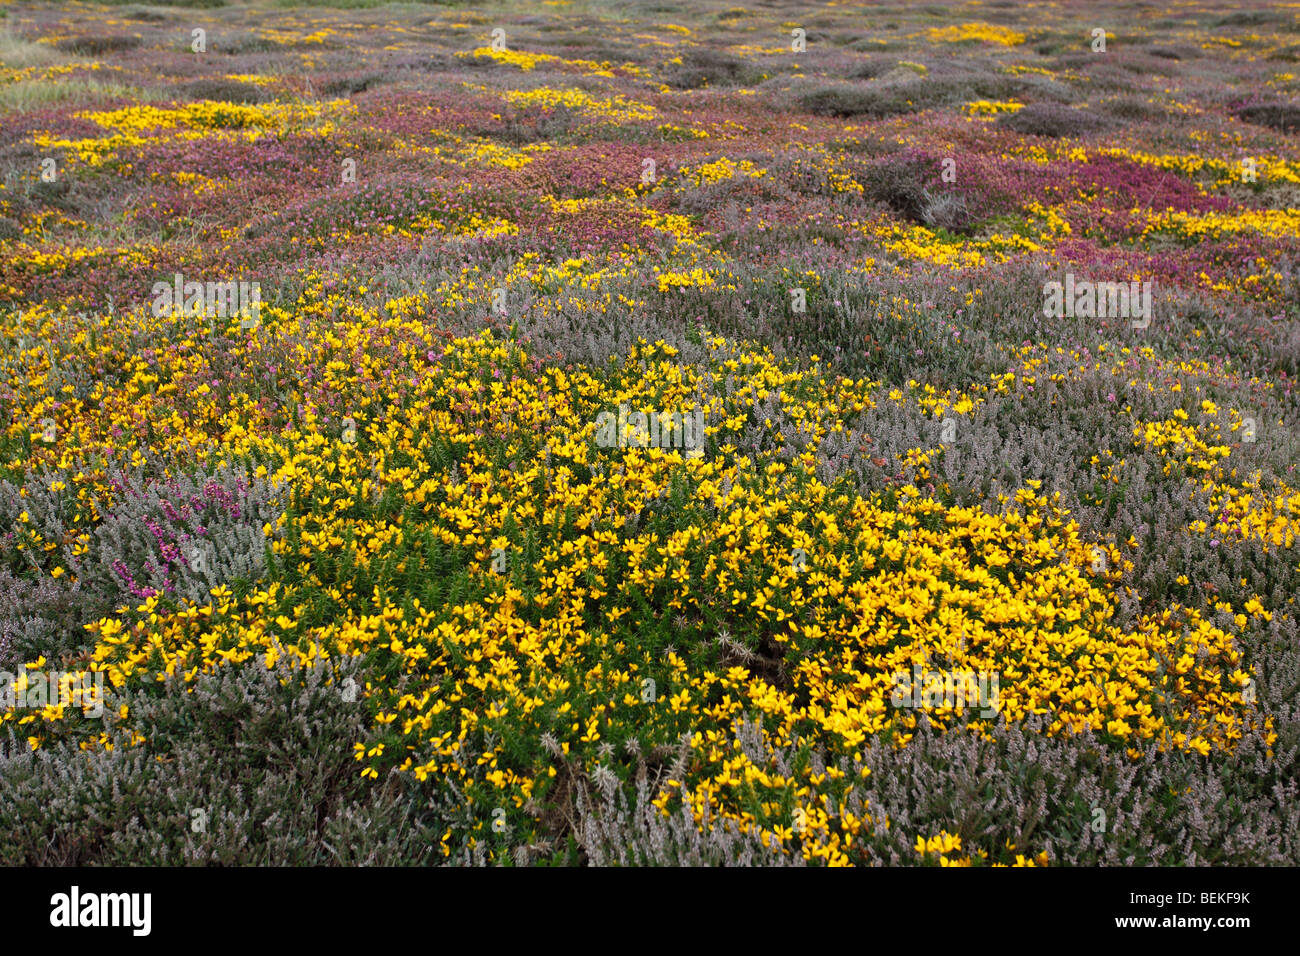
(563, 433)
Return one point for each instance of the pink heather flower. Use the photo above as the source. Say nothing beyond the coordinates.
(1110, 396)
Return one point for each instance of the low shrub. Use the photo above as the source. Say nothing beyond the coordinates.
(247, 766)
(1284, 117)
(1051, 119)
(225, 91)
(98, 45)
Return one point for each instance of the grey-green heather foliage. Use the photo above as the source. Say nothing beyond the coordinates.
(623, 831)
(268, 768)
(180, 537)
(619, 826)
(213, 522)
(37, 613)
(1018, 788)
